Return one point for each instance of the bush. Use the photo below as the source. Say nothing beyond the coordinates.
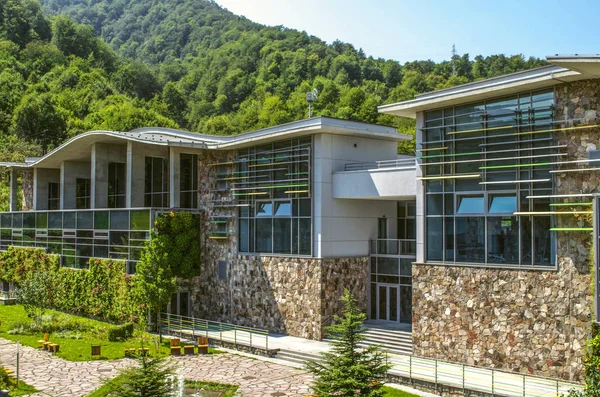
(121, 332)
(4, 380)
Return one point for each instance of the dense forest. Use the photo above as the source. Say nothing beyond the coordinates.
(78, 65)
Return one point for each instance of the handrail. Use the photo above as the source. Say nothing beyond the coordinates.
(224, 332)
(395, 247)
(369, 165)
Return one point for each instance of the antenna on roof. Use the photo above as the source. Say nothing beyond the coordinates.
(310, 98)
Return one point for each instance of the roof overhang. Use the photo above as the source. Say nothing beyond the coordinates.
(79, 147)
(564, 69)
(533, 79)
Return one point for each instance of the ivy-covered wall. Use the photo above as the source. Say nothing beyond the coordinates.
(104, 291)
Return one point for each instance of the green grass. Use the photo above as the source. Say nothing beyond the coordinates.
(391, 392)
(75, 345)
(114, 383)
(22, 390)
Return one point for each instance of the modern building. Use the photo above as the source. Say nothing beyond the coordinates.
(483, 243)
(507, 172)
(279, 245)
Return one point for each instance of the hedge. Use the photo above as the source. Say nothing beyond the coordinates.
(121, 332)
(103, 291)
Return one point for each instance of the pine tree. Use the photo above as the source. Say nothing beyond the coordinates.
(349, 370)
(152, 378)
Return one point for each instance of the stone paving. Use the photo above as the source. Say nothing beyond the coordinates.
(56, 377)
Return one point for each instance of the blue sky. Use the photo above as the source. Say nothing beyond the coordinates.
(420, 29)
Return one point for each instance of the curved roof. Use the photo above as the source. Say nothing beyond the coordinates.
(79, 146)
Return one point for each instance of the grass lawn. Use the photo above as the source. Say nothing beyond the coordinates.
(112, 384)
(22, 390)
(75, 343)
(391, 392)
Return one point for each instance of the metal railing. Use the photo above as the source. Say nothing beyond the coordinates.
(466, 377)
(398, 247)
(194, 327)
(408, 163)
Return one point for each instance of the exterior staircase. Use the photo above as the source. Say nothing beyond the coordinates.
(394, 339)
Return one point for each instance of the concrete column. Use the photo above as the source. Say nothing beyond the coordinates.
(13, 189)
(420, 219)
(99, 176)
(70, 171)
(174, 178)
(136, 164)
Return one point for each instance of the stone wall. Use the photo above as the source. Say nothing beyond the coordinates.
(27, 190)
(293, 296)
(536, 321)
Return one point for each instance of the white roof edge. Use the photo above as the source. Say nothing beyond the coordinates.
(547, 75)
(186, 138)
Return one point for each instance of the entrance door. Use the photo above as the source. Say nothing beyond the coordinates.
(388, 306)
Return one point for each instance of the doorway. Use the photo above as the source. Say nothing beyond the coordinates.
(388, 302)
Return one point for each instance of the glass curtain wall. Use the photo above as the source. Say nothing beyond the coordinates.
(82, 193)
(156, 183)
(116, 185)
(188, 197)
(481, 164)
(273, 190)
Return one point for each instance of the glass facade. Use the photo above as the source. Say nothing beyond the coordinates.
(156, 192)
(53, 196)
(272, 187)
(79, 235)
(116, 185)
(188, 181)
(83, 193)
(481, 164)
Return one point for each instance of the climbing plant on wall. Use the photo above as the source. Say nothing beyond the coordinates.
(173, 252)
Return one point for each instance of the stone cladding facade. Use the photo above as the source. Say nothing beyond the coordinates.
(528, 321)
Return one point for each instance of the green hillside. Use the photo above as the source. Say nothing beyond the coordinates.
(189, 64)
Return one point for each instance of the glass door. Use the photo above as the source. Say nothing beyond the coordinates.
(388, 302)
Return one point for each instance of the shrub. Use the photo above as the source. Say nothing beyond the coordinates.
(4, 379)
(121, 332)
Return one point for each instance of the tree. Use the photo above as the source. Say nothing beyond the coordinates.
(348, 370)
(37, 119)
(34, 294)
(152, 378)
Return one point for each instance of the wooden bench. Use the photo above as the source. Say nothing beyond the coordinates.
(175, 346)
(54, 347)
(46, 346)
(188, 349)
(8, 372)
(130, 352)
(202, 345)
(143, 351)
(42, 341)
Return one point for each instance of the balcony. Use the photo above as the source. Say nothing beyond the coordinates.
(78, 235)
(378, 180)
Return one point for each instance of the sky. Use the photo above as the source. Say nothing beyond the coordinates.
(421, 29)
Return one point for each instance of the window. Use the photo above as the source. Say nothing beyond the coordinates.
(116, 185)
(53, 196)
(156, 183)
(188, 181)
(222, 270)
(490, 158)
(272, 187)
(82, 193)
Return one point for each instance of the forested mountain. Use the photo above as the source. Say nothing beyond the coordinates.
(189, 64)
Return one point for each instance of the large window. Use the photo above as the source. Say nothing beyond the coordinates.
(486, 169)
(82, 193)
(188, 181)
(272, 186)
(53, 196)
(116, 185)
(156, 185)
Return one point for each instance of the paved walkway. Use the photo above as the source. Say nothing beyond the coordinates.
(56, 377)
